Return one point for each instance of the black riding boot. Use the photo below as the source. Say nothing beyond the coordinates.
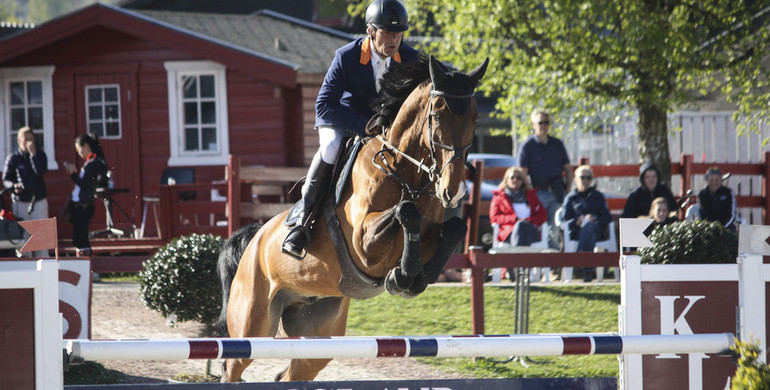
(317, 182)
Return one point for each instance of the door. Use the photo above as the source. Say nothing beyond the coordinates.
(105, 106)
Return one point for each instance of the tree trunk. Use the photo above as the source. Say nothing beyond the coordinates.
(653, 140)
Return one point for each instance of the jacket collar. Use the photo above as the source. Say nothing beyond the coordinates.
(366, 53)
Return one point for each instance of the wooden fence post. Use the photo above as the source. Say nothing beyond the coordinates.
(766, 188)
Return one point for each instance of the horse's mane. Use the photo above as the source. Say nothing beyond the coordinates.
(396, 85)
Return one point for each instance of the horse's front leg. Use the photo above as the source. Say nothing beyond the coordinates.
(452, 233)
(401, 278)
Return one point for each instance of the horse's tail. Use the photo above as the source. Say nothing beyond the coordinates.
(227, 264)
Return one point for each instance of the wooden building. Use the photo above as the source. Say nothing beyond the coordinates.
(164, 89)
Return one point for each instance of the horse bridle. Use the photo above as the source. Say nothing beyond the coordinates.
(433, 173)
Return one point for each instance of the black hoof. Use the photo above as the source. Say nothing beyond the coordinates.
(396, 283)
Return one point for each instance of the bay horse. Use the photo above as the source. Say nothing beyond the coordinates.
(387, 226)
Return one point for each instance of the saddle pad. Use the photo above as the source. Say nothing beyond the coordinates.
(351, 152)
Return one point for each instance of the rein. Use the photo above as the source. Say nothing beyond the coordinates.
(433, 173)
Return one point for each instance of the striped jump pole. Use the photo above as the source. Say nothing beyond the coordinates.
(407, 346)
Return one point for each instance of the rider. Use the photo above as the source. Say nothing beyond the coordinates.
(342, 107)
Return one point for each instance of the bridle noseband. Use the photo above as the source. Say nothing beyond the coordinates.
(432, 171)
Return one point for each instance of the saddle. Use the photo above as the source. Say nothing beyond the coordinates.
(353, 282)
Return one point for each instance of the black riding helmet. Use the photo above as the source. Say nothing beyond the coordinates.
(388, 15)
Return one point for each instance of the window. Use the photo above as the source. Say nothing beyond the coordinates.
(103, 110)
(197, 113)
(27, 95)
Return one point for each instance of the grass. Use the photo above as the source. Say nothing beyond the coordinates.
(446, 311)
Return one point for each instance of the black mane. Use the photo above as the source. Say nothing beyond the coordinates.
(397, 83)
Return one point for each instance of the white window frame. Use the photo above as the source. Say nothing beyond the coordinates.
(175, 70)
(22, 74)
(104, 120)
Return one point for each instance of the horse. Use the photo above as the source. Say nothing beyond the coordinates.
(386, 230)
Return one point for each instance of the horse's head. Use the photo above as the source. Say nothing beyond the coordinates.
(450, 127)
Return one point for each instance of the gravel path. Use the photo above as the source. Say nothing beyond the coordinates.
(117, 312)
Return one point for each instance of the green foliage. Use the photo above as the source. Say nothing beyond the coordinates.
(9, 11)
(590, 61)
(751, 374)
(446, 310)
(692, 242)
(180, 279)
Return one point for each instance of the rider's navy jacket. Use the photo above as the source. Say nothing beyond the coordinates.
(348, 88)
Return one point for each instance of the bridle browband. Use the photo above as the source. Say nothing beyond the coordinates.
(432, 171)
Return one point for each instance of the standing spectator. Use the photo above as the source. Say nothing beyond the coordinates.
(639, 201)
(92, 174)
(716, 202)
(343, 103)
(23, 175)
(545, 160)
(516, 209)
(586, 214)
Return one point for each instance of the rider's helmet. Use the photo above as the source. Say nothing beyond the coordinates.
(388, 15)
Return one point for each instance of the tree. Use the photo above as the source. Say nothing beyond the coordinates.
(8, 11)
(594, 59)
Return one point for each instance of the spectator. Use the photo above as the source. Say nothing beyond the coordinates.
(639, 201)
(92, 174)
(23, 174)
(716, 202)
(516, 209)
(545, 160)
(586, 214)
(342, 106)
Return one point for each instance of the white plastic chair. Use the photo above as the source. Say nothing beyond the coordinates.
(536, 273)
(608, 245)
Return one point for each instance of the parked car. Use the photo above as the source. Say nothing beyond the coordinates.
(487, 186)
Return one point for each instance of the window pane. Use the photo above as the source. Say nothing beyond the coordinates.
(110, 94)
(94, 95)
(207, 86)
(189, 86)
(209, 138)
(112, 129)
(17, 94)
(35, 120)
(17, 118)
(191, 113)
(35, 92)
(94, 112)
(13, 143)
(208, 112)
(111, 111)
(191, 139)
(96, 128)
(40, 140)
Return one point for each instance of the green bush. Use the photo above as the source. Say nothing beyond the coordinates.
(751, 373)
(692, 242)
(180, 280)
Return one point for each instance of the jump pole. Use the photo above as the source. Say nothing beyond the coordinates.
(408, 346)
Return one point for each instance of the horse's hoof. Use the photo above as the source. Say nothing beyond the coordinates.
(418, 287)
(396, 283)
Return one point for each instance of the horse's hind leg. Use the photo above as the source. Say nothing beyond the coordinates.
(325, 317)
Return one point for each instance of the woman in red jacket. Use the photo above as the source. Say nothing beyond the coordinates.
(517, 210)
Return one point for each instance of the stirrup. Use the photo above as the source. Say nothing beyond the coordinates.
(284, 246)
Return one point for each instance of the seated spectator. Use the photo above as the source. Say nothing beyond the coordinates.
(517, 210)
(586, 214)
(716, 202)
(640, 199)
(660, 214)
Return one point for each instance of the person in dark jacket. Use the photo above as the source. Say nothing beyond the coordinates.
(586, 214)
(639, 201)
(23, 175)
(343, 103)
(517, 210)
(91, 175)
(660, 215)
(716, 202)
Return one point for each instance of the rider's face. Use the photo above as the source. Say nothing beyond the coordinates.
(385, 43)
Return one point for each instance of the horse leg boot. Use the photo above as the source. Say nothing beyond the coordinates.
(401, 278)
(452, 233)
(318, 178)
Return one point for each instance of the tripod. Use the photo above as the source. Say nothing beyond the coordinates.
(110, 230)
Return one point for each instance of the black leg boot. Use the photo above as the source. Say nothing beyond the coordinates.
(316, 184)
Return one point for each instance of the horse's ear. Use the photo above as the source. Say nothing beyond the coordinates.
(437, 72)
(373, 126)
(476, 74)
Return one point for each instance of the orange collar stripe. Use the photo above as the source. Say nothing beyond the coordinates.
(366, 53)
